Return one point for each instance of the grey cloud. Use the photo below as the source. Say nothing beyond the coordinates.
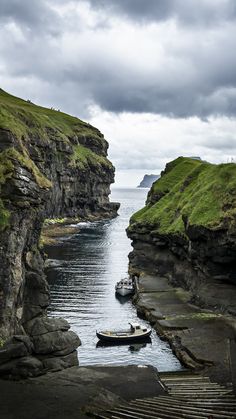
(200, 12)
(201, 80)
(202, 97)
(226, 143)
(36, 15)
(138, 9)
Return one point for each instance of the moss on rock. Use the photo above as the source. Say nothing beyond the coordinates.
(28, 163)
(83, 157)
(204, 194)
(6, 169)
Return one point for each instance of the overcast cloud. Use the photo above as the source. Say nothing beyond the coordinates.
(157, 77)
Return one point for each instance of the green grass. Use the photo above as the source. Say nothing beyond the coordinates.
(202, 192)
(24, 118)
(25, 121)
(7, 158)
(195, 316)
(6, 169)
(4, 216)
(26, 162)
(84, 157)
(2, 341)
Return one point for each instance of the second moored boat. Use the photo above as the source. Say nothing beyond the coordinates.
(125, 287)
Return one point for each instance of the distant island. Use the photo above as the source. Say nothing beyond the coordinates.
(148, 181)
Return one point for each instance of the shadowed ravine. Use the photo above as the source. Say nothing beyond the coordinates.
(85, 269)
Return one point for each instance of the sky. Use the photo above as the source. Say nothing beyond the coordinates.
(157, 77)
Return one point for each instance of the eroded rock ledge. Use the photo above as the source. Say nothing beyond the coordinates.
(52, 165)
(184, 253)
(187, 231)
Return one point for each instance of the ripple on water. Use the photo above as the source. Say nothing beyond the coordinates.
(82, 274)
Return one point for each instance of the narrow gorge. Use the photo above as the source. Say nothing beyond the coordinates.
(184, 251)
(52, 165)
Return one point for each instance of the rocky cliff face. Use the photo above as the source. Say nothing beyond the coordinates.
(187, 230)
(51, 165)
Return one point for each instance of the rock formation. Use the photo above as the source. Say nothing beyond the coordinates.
(148, 181)
(187, 230)
(51, 165)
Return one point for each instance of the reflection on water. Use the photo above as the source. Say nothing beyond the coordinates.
(133, 347)
(82, 275)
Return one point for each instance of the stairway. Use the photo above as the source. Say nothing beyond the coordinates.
(189, 396)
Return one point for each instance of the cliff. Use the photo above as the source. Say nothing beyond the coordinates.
(148, 181)
(51, 165)
(187, 230)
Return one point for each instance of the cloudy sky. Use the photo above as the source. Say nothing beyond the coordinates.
(157, 77)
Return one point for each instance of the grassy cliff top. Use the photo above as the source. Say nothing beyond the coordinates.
(26, 121)
(204, 193)
(23, 117)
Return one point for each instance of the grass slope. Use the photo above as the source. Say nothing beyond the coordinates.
(25, 119)
(205, 193)
(22, 117)
(83, 157)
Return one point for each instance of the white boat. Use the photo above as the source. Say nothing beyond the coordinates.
(125, 287)
(135, 333)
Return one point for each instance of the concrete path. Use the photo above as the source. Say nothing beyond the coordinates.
(202, 339)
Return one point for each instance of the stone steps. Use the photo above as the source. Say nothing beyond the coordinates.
(191, 409)
(189, 396)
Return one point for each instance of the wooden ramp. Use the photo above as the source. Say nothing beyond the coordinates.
(189, 396)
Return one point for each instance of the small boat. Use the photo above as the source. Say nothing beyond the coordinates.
(135, 333)
(124, 287)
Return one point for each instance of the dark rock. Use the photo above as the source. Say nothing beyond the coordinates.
(12, 350)
(23, 367)
(59, 343)
(42, 325)
(58, 363)
(25, 340)
(43, 179)
(7, 139)
(192, 261)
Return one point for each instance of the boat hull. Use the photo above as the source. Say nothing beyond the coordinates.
(124, 291)
(108, 344)
(130, 338)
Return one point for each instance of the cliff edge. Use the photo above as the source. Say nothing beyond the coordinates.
(187, 230)
(52, 165)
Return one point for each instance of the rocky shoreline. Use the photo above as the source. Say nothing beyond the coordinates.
(202, 339)
(184, 251)
(54, 230)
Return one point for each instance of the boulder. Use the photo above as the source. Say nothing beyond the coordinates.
(59, 343)
(24, 367)
(42, 325)
(56, 363)
(11, 351)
